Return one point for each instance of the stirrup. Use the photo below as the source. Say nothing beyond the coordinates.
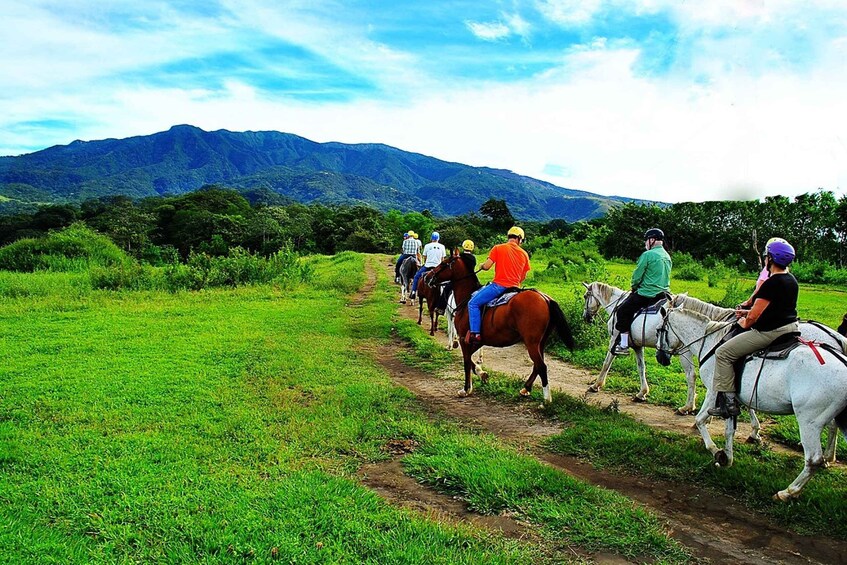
(472, 338)
(724, 407)
(619, 351)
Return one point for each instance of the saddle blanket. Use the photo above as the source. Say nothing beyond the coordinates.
(500, 300)
(653, 308)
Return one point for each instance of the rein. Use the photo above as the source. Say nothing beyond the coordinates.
(666, 327)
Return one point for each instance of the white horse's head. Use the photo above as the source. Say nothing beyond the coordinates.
(591, 302)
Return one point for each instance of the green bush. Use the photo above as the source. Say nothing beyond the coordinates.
(689, 272)
(76, 248)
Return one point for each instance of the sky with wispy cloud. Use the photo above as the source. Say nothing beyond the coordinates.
(668, 100)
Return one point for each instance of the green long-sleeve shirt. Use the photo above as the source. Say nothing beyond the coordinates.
(652, 274)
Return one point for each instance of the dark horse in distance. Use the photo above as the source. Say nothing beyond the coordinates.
(530, 317)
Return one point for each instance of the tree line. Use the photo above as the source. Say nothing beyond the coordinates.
(215, 219)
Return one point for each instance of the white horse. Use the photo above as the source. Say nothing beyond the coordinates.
(671, 344)
(813, 389)
(453, 335)
(643, 333)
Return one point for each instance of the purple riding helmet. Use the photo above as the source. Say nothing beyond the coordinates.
(781, 252)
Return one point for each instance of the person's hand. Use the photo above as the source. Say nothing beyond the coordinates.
(740, 313)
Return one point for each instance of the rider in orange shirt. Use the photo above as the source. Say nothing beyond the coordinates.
(511, 264)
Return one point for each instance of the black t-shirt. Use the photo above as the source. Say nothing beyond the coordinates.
(470, 260)
(781, 290)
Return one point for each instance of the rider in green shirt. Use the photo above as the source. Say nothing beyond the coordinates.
(650, 281)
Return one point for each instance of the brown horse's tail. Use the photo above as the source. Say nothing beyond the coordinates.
(557, 317)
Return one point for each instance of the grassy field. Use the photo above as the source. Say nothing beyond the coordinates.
(227, 426)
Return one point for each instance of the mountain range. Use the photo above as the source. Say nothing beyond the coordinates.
(185, 158)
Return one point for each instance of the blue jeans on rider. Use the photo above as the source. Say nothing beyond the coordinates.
(418, 275)
(485, 295)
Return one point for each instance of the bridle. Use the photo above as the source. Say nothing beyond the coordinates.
(589, 293)
(666, 329)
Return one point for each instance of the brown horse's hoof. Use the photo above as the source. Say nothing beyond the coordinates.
(524, 392)
(593, 388)
(721, 459)
(637, 398)
(483, 376)
(456, 344)
(753, 440)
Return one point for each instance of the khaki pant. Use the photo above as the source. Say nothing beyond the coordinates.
(739, 346)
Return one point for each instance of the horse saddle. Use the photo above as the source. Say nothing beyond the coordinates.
(655, 308)
(778, 350)
(503, 298)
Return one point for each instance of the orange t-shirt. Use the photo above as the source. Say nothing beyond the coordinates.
(511, 264)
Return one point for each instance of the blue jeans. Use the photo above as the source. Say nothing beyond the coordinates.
(485, 295)
(418, 275)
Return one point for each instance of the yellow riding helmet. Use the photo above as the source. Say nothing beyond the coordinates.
(413, 234)
(467, 245)
(515, 230)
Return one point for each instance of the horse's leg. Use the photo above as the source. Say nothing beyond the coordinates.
(690, 382)
(755, 428)
(467, 352)
(642, 374)
(723, 457)
(539, 368)
(420, 309)
(433, 316)
(702, 419)
(607, 364)
(810, 436)
(831, 442)
(477, 367)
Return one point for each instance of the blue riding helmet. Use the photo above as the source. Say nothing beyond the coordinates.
(435, 236)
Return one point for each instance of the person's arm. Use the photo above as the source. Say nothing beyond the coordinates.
(487, 265)
(638, 273)
(758, 307)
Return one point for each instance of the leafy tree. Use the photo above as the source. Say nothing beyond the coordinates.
(498, 214)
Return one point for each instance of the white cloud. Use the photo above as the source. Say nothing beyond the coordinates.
(569, 12)
(491, 31)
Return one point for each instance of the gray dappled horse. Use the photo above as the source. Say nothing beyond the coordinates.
(810, 383)
(408, 268)
(670, 344)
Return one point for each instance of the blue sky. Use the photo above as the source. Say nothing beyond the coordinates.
(658, 99)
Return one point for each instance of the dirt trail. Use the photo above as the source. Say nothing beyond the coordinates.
(716, 528)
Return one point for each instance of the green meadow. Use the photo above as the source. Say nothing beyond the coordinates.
(227, 425)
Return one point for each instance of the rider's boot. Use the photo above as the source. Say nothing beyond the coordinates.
(726, 406)
(472, 338)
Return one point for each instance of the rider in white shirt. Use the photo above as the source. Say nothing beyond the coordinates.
(433, 252)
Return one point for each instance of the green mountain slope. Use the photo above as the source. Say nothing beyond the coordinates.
(185, 158)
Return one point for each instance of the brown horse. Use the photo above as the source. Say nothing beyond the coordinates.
(431, 294)
(530, 317)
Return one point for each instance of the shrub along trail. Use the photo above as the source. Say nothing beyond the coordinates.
(713, 526)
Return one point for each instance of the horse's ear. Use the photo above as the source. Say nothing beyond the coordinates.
(585, 284)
